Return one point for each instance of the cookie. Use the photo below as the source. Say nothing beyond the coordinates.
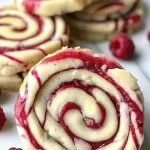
(26, 39)
(12, 82)
(52, 7)
(103, 20)
(76, 90)
(2, 118)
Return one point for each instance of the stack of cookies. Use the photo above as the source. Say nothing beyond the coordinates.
(24, 40)
(104, 19)
(30, 30)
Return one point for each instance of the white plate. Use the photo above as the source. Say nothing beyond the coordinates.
(140, 67)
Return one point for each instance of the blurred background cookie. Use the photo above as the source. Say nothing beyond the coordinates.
(102, 20)
(52, 7)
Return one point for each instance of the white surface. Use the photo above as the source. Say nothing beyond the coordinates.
(139, 66)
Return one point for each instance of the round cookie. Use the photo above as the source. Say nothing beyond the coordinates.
(102, 20)
(52, 7)
(26, 39)
(76, 90)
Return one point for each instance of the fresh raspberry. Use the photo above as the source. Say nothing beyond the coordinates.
(148, 35)
(13, 148)
(122, 47)
(2, 118)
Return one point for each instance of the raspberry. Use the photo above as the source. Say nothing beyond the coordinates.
(148, 35)
(13, 148)
(2, 118)
(122, 47)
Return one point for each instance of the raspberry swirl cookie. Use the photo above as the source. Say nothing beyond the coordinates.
(25, 39)
(75, 90)
(52, 7)
(102, 20)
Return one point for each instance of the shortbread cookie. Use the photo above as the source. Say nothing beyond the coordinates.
(103, 20)
(75, 90)
(148, 36)
(13, 82)
(52, 7)
(26, 39)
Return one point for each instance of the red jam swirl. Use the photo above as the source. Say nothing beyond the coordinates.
(117, 4)
(20, 47)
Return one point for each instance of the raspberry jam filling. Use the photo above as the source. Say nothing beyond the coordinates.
(90, 122)
(21, 115)
(131, 19)
(92, 64)
(31, 5)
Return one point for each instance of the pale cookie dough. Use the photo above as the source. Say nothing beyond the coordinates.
(26, 39)
(103, 20)
(52, 7)
(76, 90)
(12, 82)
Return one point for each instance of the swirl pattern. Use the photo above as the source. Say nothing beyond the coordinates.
(75, 99)
(105, 19)
(52, 8)
(110, 9)
(23, 36)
